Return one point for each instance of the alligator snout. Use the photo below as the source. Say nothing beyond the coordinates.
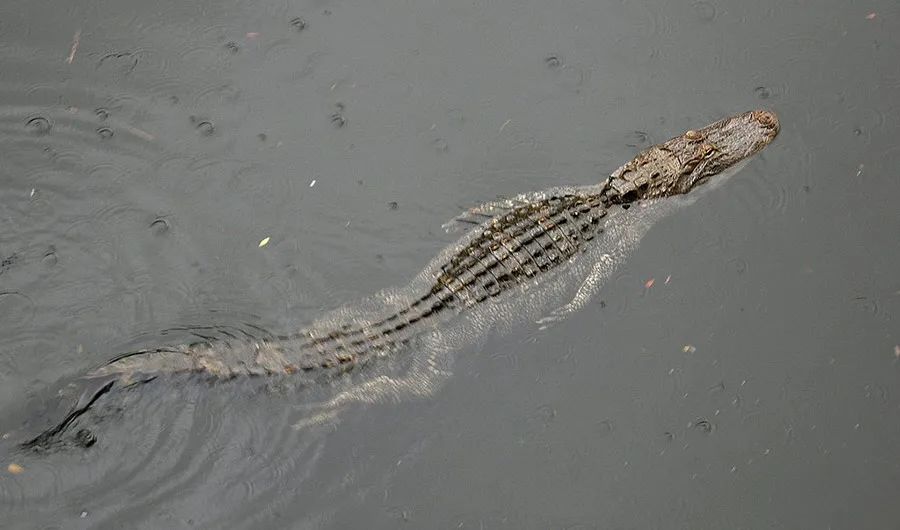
(769, 121)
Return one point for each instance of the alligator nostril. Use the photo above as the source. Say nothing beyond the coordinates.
(766, 118)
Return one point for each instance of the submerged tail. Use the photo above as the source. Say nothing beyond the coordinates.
(70, 400)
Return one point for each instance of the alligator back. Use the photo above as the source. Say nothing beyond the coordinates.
(508, 251)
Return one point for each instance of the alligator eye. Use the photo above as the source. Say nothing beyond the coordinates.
(693, 135)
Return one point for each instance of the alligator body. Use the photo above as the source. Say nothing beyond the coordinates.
(517, 243)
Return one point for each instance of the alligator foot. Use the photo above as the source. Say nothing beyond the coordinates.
(478, 215)
(588, 288)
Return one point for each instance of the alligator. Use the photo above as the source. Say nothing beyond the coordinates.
(514, 243)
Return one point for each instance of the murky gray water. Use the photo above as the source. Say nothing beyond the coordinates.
(147, 149)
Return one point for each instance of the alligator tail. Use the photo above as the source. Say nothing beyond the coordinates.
(72, 400)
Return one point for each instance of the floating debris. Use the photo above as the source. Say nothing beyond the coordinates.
(139, 133)
(897, 351)
(871, 16)
(75, 40)
(649, 283)
(689, 348)
(264, 242)
(15, 469)
(668, 279)
(312, 183)
(252, 35)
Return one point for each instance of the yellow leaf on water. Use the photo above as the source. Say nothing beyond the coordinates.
(264, 242)
(15, 469)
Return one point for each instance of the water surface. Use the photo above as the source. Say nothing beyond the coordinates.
(147, 149)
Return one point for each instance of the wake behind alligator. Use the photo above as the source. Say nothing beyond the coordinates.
(516, 256)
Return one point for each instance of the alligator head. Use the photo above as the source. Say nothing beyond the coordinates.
(686, 161)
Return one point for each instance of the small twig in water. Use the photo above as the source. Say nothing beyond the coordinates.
(75, 40)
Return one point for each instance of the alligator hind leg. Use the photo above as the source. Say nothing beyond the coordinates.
(622, 234)
(600, 272)
(424, 376)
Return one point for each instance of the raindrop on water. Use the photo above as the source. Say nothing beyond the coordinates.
(298, 23)
(762, 92)
(159, 226)
(105, 132)
(50, 259)
(338, 119)
(85, 438)
(102, 113)
(39, 125)
(206, 128)
(705, 11)
(441, 145)
(704, 426)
